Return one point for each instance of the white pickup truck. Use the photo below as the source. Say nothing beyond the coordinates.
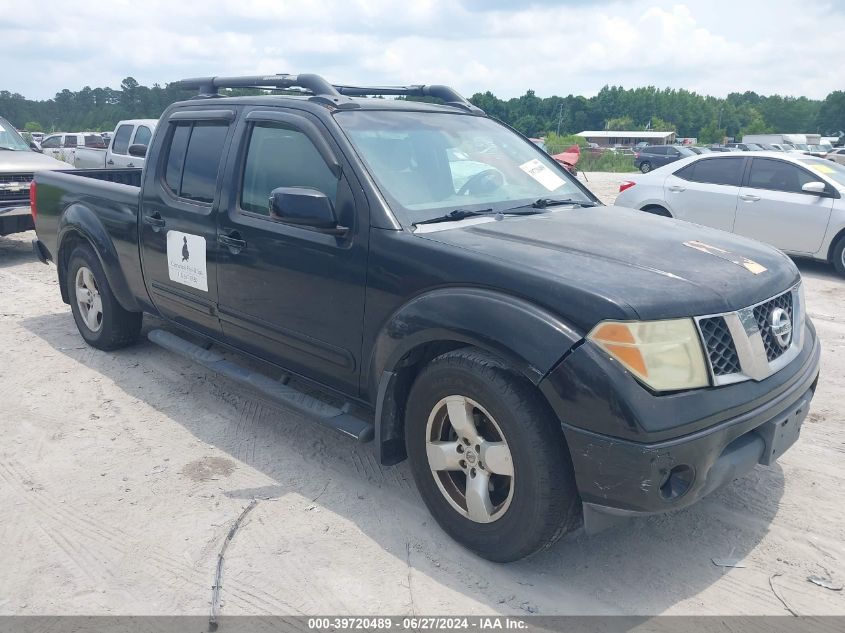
(117, 154)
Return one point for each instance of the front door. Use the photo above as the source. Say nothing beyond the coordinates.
(773, 209)
(178, 228)
(290, 294)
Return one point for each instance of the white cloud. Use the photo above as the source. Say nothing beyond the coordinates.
(721, 46)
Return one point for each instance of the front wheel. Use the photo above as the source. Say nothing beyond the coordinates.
(488, 457)
(100, 319)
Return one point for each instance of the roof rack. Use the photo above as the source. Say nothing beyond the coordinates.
(322, 91)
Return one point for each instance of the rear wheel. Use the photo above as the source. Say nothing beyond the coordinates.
(100, 319)
(838, 259)
(488, 457)
(645, 167)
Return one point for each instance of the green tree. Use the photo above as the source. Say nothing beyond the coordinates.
(622, 123)
(711, 133)
(831, 116)
(33, 126)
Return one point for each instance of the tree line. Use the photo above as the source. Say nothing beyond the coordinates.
(613, 108)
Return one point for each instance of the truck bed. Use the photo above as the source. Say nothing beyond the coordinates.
(126, 176)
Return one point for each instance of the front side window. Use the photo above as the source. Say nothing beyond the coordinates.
(715, 171)
(281, 156)
(778, 175)
(143, 135)
(120, 145)
(427, 164)
(51, 142)
(193, 159)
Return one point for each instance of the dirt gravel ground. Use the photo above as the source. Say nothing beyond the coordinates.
(120, 475)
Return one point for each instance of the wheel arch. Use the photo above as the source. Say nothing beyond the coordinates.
(652, 207)
(834, 242)
(80, 226)
(448, 319)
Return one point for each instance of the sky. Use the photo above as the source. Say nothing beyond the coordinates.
(789, 47)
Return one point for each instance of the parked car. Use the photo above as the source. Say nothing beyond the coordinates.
(127, 147)
(837, 155)
(18, 162)
(745, 147)
(791, 201)
(653, 156)
(698, 150)
(63, 145)
(538, 357)
(723, 148)
(818, 150)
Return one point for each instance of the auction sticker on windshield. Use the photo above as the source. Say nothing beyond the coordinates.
(542, 174)
(186, 260)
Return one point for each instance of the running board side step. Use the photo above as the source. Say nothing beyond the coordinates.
(331, 416)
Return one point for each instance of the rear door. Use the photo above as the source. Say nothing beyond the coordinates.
(290, 294)
(118, 154)
(705, 191)
(179, 247)
(773, 209)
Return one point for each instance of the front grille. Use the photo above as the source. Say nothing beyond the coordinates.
(720, 346)
(762, 315)
(14, 187)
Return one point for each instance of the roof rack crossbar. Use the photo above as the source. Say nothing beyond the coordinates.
(334, 95)
(447, 94)
(315, 84)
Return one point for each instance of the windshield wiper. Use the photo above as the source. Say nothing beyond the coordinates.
(454, 216)
(542, 203)
(460, 214)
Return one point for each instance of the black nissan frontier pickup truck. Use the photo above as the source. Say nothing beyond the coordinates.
(438, 285)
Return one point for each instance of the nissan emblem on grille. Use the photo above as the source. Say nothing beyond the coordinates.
(781, 327)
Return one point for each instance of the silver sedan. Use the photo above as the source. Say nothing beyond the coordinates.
(789, 200)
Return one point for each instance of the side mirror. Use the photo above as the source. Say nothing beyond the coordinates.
(818, 188)
(303, 206)
(138, 150)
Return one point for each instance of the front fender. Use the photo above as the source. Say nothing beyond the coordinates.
(531, 338)
(80, 220)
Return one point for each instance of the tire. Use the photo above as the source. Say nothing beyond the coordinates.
(527, 511)
(838, 259)
(645, 167)
(656, 209)
(100, 319)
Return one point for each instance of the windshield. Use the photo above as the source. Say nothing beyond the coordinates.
(9, 137)
(829, 169)
(427, 164)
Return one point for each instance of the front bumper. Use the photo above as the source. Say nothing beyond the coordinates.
(668, 464)
(16, 219)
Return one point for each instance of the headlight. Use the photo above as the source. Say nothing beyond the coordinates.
(665, 355)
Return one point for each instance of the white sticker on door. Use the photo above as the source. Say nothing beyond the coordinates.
(186, 260)
(542, 174)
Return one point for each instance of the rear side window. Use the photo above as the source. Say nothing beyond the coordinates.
(143, 135)
(70, 140)
(660, 151)
(778, 175)
(94, 140)
(715, 171)
(121, 139)
(280, 156)
(193, 159)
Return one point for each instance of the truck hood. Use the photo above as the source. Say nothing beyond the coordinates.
(28, 162)
(650, 266)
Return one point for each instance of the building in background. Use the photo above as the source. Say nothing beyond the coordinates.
(612, 138)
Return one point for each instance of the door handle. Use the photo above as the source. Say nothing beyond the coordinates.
(110, 162)
(677, 188)
(749, 197)
(233, 242)
(155, 220)
(130, 165)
